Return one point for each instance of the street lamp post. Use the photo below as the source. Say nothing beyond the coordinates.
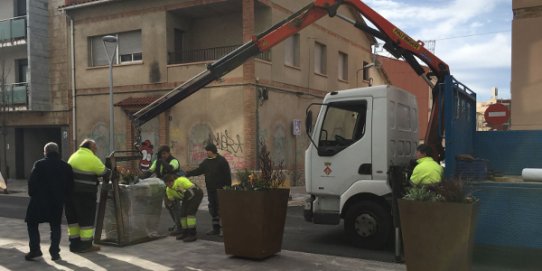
(113, 40)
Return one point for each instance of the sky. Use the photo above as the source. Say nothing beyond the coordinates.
(472, 36)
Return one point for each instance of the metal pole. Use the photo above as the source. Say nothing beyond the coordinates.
(111, 39)
(111, 111)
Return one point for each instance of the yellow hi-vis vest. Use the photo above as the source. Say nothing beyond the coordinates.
(427, 171)
(86, 166)
(180, 185)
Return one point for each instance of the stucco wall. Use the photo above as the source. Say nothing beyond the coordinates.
(337, 35)
(214, 114)
(153, 43)
(526, 69)
(7, 9)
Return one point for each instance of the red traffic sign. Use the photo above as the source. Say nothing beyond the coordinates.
(497, 114)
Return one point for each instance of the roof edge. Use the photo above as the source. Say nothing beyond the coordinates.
(72, 6)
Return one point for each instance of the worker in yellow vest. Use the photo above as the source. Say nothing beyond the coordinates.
(427, 171)
(167, 164)
(80, 207)
(182, 189)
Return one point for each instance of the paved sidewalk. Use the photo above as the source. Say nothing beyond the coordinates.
(161, 254)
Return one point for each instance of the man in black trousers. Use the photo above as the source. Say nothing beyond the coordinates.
(217, 175)
(49, 185)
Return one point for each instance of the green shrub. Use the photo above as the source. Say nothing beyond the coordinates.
(269, 175)
(448, 190)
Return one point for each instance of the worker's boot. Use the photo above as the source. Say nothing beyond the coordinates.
(192, 236)
(176, 231)
(183, 234)
(215, 230)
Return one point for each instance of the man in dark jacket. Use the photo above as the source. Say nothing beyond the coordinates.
(217, 175)
(49, 185)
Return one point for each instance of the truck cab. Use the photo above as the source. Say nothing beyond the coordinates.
(358, 134)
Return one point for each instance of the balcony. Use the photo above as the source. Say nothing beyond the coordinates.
(15, 96)
(13, 31)
(208, 54)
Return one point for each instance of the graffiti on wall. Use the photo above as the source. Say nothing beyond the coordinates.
(146, 149)
(224, 141)
(229, 146)
(277, 143)
(279, 147)
(100, 134)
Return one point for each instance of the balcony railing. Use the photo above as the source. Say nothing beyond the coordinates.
(13, 29)
(208, 54)
(14, 95)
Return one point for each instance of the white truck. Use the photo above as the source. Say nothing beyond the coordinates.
(358, 135)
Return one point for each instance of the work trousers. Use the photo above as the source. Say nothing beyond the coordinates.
(189, 208)
(80, 214)
(212, 196)
(174, 209)
(34, 237)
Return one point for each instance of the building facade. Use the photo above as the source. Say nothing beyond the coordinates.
(162, 43)
(526, 69)
(34, 108)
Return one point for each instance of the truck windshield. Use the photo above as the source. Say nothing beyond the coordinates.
(343, 124)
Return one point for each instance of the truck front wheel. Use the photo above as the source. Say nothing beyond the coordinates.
(368, 224)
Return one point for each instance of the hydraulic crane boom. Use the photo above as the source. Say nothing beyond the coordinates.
(396, 42)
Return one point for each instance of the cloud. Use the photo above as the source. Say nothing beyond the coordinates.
(437, 19)
(492, 53)
(472, 36)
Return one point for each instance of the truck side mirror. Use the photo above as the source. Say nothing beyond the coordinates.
(308, 122)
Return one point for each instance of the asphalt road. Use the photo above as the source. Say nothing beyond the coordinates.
(298, 234)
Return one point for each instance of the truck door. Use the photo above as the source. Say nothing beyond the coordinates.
(343, 153)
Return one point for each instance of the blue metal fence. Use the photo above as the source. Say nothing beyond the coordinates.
(459, 103)
(509, 214)
(508, 152)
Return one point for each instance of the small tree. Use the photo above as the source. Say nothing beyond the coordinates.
(269, 176)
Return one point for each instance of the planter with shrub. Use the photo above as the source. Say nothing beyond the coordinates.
(253, 213)
(438, 225)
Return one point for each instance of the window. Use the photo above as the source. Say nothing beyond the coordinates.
(22, 70)
(343, 125)
(178, 46)
(291, 51)
(21, 8)
(128, 50)
(343, 66)
(320, 57)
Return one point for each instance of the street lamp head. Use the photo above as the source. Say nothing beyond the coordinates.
(109, 38)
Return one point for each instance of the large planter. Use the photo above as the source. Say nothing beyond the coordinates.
(253, 221)
(438, 235)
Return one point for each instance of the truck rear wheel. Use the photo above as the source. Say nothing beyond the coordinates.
(368, 224)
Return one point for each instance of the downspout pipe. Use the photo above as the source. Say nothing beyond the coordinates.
(74, 104)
